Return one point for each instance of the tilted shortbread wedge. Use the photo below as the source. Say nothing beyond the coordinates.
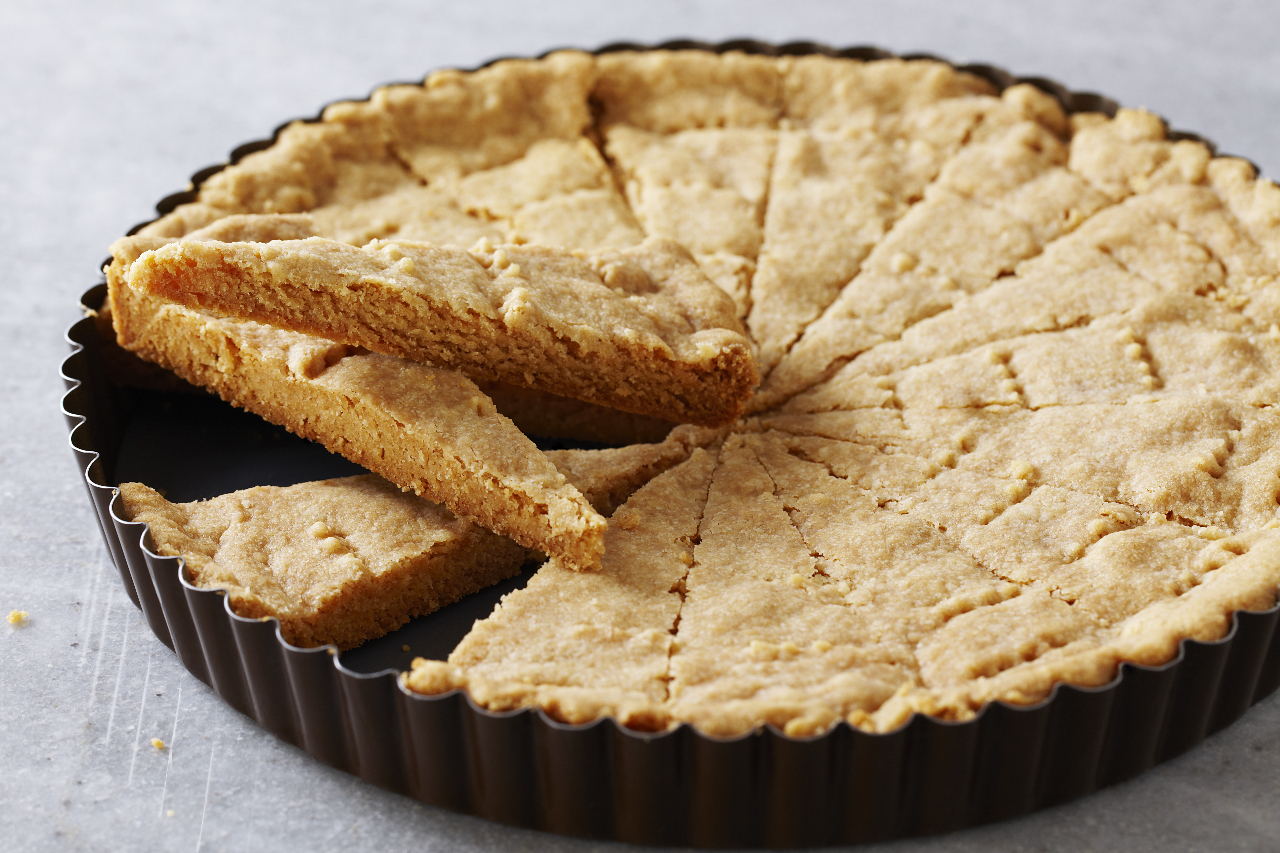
(336, 561)
(432, 431)
(639, 329)
(535, 413)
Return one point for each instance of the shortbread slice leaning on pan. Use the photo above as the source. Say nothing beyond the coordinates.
(336, 561)
(428, 430)
(638, 329)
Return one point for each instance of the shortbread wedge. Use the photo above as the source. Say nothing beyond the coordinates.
(641, 329)
(428, 430)
(336, 561)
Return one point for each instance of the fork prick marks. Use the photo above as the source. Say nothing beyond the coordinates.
(1135, 349)
(1001, 360)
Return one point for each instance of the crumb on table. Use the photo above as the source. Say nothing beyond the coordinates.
(17, 617)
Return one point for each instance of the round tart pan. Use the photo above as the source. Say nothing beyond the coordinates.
(602, 780)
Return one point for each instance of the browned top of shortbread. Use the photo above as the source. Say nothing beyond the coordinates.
(639, 329)
(336, 561)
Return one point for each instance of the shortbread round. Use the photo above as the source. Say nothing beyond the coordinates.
(1016, 419)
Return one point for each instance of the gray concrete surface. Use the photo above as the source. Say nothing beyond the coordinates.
(107, 106)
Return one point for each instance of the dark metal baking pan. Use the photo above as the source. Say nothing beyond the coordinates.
(603, 780)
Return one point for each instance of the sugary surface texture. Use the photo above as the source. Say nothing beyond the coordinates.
(1017, 420)
(336, 561)
(586, 644)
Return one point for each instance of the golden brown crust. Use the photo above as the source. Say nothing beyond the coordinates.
(345, 158)
(457, 123)
(665, 91)
(639, 329)
(335, 561)
(826, 93)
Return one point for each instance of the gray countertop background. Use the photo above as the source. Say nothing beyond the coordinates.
(107, 106)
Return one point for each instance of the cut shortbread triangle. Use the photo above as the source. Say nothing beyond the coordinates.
(771, 638)
(582, 645)
(425, 429)
(384, 149)
(994, 204)
(704, 188)
(640, 329)
(1165, 242)
(859, 144)
(336, 561)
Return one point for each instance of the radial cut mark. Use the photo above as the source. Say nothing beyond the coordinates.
(817, 274)
(804, 363)
(1108, 232)
(680, 586)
